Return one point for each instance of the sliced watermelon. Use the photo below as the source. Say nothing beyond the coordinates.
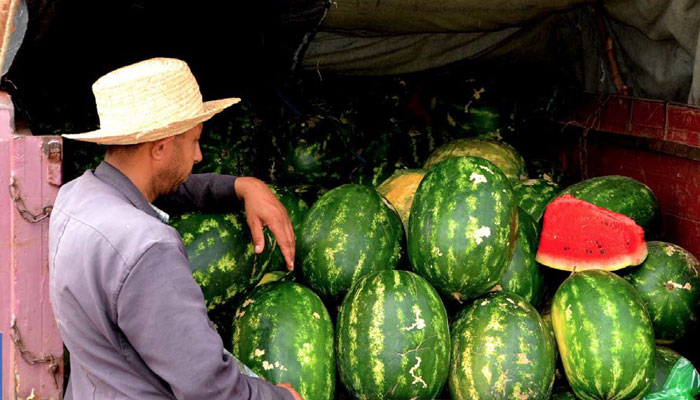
(577, 235)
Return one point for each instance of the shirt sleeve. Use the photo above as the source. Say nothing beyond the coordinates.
(202, 192)
(160, 309)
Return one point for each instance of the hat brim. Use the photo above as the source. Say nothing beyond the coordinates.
(104, 136)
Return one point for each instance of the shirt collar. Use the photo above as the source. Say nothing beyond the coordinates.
(113, 177)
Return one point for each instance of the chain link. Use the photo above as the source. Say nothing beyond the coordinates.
(31, 358)
(22, 209)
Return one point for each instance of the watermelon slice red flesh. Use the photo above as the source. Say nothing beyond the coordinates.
(577, 235)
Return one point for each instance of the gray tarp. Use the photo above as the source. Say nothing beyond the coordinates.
(658, 40)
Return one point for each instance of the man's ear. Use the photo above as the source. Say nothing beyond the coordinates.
(160, 148)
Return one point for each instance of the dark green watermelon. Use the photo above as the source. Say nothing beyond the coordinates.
(283, 332)
(348, 233)
(623, 195)
(221, 253)
(665, 360)
(534, 195)
(314, 150)
(393, 340)
(524, 276)
(669, 282)
(501, 349)
(296, 210)
(605, 336)
(463, 227)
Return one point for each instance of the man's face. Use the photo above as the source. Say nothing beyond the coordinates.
(184, 154)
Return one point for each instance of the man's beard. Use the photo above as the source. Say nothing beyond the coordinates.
(170, 179)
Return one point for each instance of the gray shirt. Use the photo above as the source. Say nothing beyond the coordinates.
(124, 299)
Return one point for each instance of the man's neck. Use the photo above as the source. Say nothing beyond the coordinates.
(138, 173)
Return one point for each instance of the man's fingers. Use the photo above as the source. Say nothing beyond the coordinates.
(285, 240)
(256, 230)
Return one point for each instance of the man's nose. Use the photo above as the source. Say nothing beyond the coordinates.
(197, 154)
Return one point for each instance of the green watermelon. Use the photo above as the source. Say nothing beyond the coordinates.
(668, 282)
(605, 336)
(501, 154)
(400, 188)
(501, 349)
(296, 210)
(372, 174)
(348, 233)
(463, 227)
(523, 276)
(313, 150)
(622, 195)
(534, 194)
(221, 253)
(393, 339)
(665, 360)
(283, 332)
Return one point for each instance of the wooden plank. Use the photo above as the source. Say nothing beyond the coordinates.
(6, 131)
(33, 345)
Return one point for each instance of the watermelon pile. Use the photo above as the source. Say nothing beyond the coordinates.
(431, 264)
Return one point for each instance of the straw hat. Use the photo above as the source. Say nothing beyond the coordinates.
(147, 101)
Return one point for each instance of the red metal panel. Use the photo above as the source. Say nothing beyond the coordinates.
(674, 180)
(35, 353)
(679, 123)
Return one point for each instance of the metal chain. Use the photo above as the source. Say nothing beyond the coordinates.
(31, 358)
(22, 209)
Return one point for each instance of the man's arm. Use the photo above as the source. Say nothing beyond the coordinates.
(161, 311)
(224, 193)
(202, 192)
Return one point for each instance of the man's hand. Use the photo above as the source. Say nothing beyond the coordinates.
(291, 389)
(263, 209)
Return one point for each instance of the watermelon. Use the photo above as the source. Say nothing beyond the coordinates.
(296, 210)
(668, 282)
(313, 150)
(221, 253)
(523, 276)
(372, 174)
(534, 194)
(501, 349)
(577, 235)
(400, 188)
(665, 360)
(620, 194)
(348, 233)
(605, 336)
(283, 332)
(463, 227)
(393, 340)
(501, 154)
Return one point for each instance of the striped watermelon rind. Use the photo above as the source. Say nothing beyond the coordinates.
(534, 194)
(393, 339)
(604, 335)
(501, 349)
(463, 217)
(620, 194)
(501, 154)
(669, 282)
(222, 255)
(282, 331)
(349, 232)
(524, 276)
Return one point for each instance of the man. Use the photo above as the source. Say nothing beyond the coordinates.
(122, 291)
